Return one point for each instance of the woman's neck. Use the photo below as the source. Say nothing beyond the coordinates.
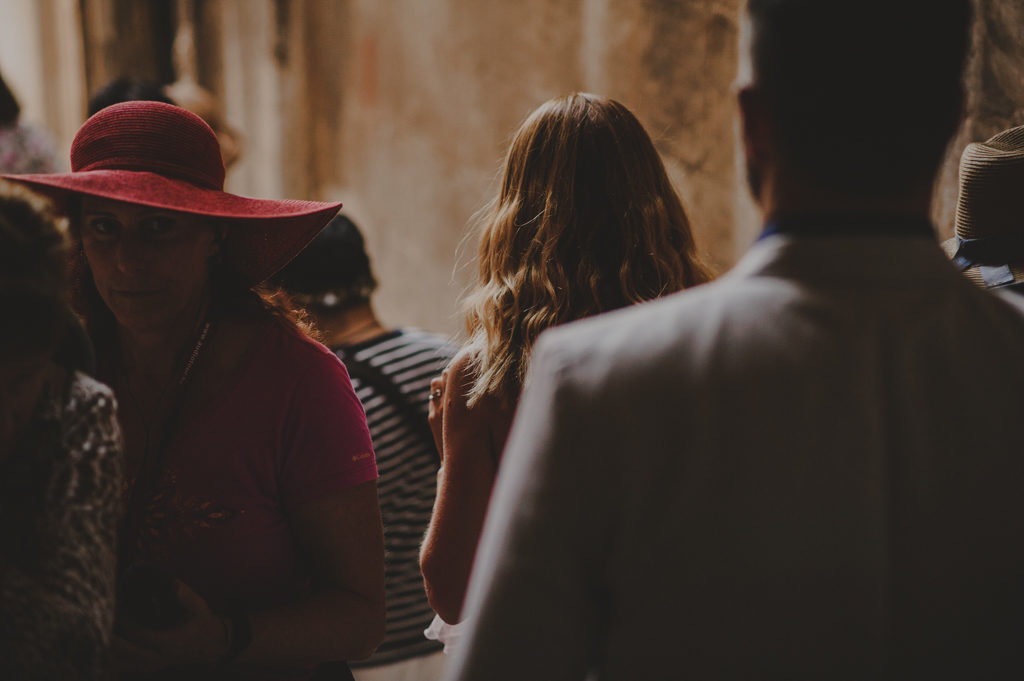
(152, 355)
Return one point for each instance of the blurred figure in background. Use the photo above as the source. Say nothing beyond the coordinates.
(23, 148)
(188, 94)
(60, 464)
(125, 89)
(391, 371)
(184, 93)
(586, 221)
(988, 246)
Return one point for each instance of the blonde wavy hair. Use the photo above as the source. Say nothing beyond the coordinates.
(586, 221)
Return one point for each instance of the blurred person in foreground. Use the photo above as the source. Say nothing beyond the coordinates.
(586, 221)
(391, 369)
(60, 463)
(988, 244)
(252, 545)
(810, 468)
(24, 148)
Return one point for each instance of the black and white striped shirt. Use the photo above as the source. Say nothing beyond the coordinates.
(407, 461)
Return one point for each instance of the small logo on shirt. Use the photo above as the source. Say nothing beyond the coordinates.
(364, 455)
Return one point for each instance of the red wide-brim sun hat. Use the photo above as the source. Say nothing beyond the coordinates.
(160, 155)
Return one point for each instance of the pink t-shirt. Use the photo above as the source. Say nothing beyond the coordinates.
(286, 431)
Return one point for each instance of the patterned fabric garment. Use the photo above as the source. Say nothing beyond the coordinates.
(25, 149)
(58, 515)
(408, 463)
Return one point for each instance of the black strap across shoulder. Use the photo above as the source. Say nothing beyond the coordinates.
(406, 404)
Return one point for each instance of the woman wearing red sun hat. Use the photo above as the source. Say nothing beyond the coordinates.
(252, 543)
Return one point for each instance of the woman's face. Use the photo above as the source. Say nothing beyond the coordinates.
(150, 266)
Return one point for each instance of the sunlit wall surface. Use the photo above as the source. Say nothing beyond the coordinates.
(402, 109)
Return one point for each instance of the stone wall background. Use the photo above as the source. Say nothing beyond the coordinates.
(403, 109)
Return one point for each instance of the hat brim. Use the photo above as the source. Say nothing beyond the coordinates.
(265, 235)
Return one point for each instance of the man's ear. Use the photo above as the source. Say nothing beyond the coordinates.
(755, 125)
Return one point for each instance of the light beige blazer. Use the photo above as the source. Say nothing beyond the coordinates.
(809, 469)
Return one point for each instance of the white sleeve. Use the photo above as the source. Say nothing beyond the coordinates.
(534, 605)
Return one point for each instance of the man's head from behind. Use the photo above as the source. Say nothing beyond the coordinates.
(333, 273)
(852, 98)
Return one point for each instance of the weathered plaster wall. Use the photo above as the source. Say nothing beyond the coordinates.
(403, 109)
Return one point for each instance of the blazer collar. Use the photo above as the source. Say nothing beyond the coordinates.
(844, 224)
(847, 258)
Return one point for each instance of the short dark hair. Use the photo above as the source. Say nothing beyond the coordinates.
(10, 110)
(33, 260)
(863, 94)
(126, 89)
(333, 271)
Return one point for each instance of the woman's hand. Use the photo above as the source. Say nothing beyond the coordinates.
(472, 437)
(202, 638)
(435, 411)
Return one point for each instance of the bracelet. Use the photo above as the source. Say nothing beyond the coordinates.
(241, 633)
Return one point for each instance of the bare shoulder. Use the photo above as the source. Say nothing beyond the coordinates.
(458, 378)
(461, 366)
(462, 375)
(488, 418)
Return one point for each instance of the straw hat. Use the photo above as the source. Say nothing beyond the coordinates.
(159, 155)
(988, 245)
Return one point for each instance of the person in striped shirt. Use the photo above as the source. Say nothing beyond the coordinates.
(391, 371)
